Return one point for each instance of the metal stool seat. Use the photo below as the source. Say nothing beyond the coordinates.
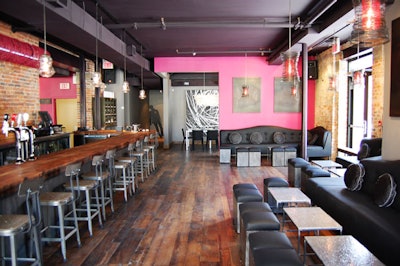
(131, 160)
(105, 184)
(121, 181)
(12, 225)
(61, 200)
(151, 147)
(140, 156)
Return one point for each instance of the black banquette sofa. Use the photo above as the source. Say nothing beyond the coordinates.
(267, 137)
(371, 213)
(369, 148)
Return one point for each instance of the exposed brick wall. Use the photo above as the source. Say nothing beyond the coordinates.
(330, 105)
(19, 85)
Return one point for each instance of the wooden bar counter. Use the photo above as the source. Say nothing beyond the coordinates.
(51, 165)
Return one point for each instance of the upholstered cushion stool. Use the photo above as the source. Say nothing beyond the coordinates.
(225, 155)
(290, 153)
(242, 193)
(294, 170)
(312, 171)
(273, 182)
(253, 222)
(254, 157)
(242, 157)
(278, 156)
(269, 240)
(276, 257)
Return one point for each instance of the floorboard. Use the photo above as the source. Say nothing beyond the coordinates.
(180, 215)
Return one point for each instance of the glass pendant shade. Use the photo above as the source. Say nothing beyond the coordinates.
(125, 87)
(96, 78)
(46, 68)
(369, 27)
(142, 94)
(245, 90)
(290, 61)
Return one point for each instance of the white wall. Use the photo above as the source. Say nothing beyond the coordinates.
(391, 125)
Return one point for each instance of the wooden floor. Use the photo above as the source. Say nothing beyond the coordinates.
(181, 215)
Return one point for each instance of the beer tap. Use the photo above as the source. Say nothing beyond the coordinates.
(30, 136)
(6, 129)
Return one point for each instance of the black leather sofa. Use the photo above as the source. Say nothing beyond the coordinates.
(369, 148)
(267, 137)
(377, 228)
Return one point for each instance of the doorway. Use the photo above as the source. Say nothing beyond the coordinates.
(66, 113)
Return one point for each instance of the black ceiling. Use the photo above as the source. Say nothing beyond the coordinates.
(159, 28)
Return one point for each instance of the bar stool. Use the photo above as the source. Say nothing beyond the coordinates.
(146, 158)
(140, 156)
(121, 181)
(87, 211)
(60, 200)
(131, 160)
(151, 147)
(104, 180)
(12, 225)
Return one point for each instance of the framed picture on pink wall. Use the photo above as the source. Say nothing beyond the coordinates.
(286, 98)
(246, 95)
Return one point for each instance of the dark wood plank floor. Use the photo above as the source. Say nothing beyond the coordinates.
(181, 215)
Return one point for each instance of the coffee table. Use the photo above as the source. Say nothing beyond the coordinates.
(340, 250)
(327, 164)
(337, 172)
(288, 195)
(311, 219)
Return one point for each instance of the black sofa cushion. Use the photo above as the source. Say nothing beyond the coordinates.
(353, 177)
(279, 137)
(256, 138)
(235, 138)
(385, 191)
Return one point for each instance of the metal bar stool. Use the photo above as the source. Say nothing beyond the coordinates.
(152, 155)
(60, 200)
(139, 154)
(121, 182)
(12, 225)
(131, 160)
(105, 184)
(87, 211)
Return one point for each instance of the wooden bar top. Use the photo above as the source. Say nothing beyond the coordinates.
(50, 164)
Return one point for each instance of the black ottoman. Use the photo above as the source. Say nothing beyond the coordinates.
(312, 171)
(275, 257)
(294, 170)
(242, 195)
(273, 182)
(253, 222)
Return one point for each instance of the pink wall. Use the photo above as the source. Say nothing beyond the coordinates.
(229, 67)
(50, 89)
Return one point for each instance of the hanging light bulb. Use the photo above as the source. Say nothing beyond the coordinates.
(245, 87)
(96, 75)
(125, 84)
(142, 92)
(290, 61)
(46, 68)
(369, 28)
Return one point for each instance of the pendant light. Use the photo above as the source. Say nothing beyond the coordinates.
(96, 75)
(46, 68)
(369, 28)
(290, 61)
(142, 92)
(245, 86)
(125, 84)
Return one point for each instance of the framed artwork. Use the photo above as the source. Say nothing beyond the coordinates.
(284, 100)
(395, 66)
(202, 109)
(250, 103)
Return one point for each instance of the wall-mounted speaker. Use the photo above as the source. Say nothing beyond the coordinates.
(109, 76)
(312, 69)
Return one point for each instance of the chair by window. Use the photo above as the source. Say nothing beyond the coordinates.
(213, 135)
(197, 135)
(184, 138)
